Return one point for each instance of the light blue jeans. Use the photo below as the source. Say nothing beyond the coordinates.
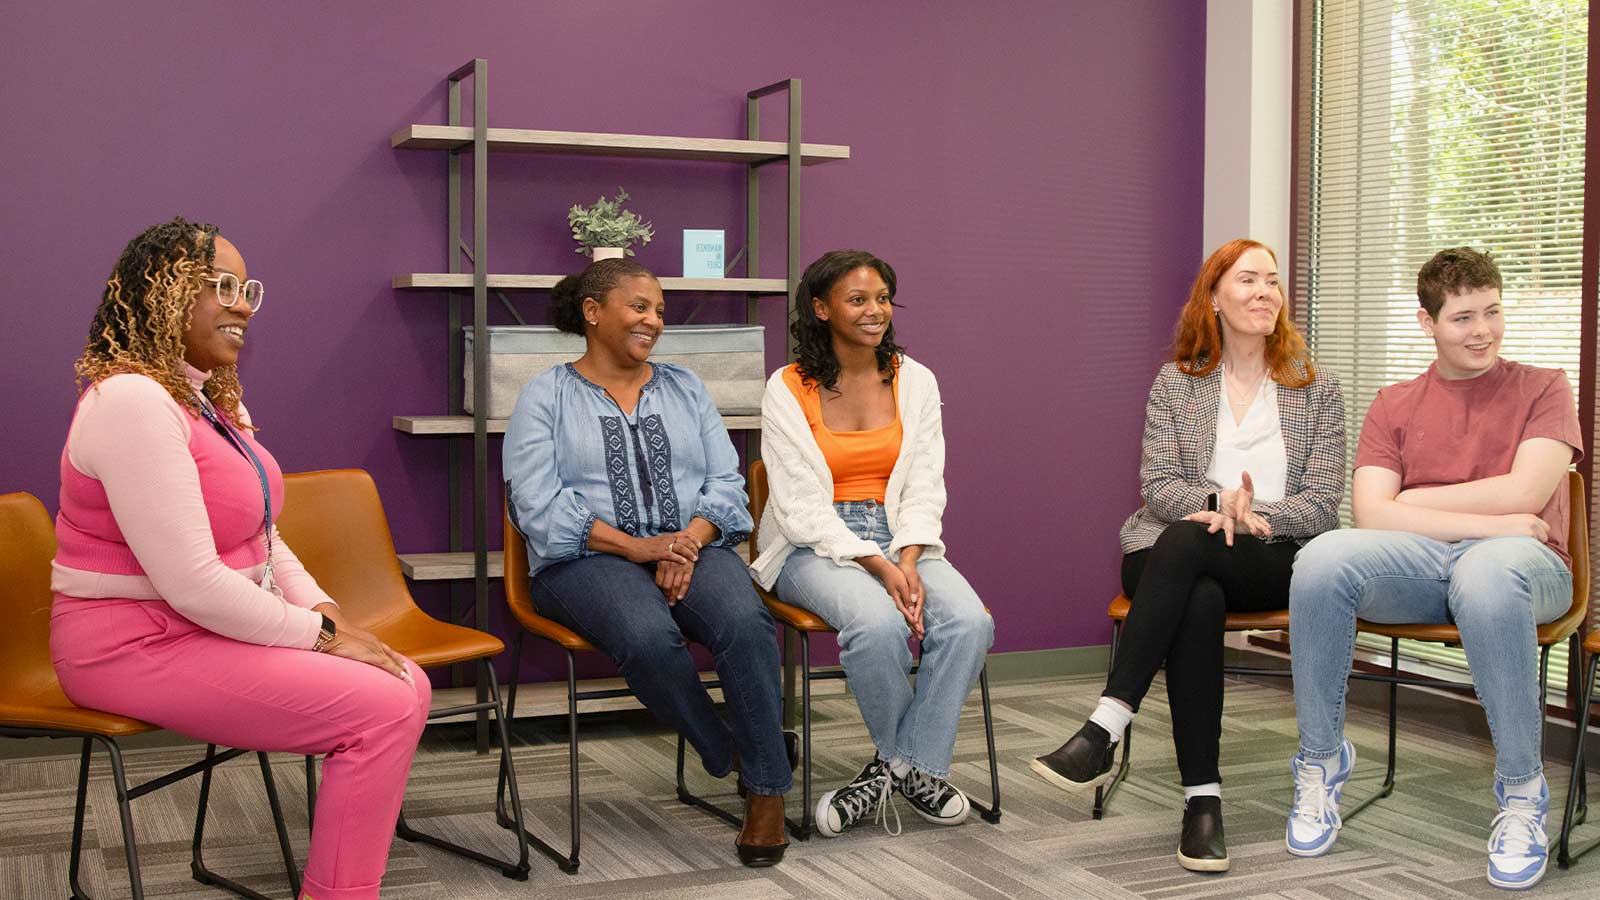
(1495, 591)
(918, 726)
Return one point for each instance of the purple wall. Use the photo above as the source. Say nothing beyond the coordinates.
(1032, 170)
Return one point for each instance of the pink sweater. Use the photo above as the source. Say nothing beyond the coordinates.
(157, 505)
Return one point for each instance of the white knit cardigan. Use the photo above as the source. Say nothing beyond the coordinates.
(799, 510)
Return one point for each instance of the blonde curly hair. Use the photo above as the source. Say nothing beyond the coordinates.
(145, 310)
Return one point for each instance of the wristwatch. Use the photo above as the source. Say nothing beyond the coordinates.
(327, 635)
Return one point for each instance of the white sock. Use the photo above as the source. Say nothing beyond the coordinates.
(1214, 789)
(1528, 790)
(1113, 717)
(901, 768)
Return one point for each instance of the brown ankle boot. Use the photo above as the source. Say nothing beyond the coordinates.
(762, 839)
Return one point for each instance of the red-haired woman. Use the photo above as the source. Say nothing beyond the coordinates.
(1243, 462)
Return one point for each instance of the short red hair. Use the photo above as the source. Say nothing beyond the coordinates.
(1197, 344)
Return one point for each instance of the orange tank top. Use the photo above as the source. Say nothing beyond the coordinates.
(859, 460)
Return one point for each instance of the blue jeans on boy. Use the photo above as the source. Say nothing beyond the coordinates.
(918, 726)
(1495, 592)
(617, 606)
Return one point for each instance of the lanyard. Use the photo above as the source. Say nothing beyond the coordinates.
(234, 438)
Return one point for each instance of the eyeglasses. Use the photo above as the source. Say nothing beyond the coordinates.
(228, 290)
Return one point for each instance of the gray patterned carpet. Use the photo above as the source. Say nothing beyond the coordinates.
(1426, 841)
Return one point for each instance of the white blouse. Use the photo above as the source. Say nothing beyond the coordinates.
(1254, 445)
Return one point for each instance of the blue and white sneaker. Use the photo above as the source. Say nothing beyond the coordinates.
(1518, 846)
(1314, 818)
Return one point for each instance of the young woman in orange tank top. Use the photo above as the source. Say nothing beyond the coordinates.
(854, 446)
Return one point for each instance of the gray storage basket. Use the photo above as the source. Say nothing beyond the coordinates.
(730, 359)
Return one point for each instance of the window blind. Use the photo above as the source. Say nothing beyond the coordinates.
(1425, 124)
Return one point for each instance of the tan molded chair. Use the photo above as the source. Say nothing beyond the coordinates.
(806, 623)
(334, 522)
(1578, 785)
(32, 703)
(520, 600)
(1563, 628)
(1276, 619)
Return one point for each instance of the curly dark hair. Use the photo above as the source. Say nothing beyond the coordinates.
(145, 310)
(812, 336)
(1454, 271)
(566, 298)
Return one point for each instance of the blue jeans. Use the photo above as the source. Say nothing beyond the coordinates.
(616, 605)
(918, 726)
(1494, 591)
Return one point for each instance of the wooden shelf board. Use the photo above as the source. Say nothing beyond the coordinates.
(447, 566)
(587, 143)
(428, 425)
(508, 282)
(458, 566)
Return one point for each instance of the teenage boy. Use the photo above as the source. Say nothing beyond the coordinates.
(1461, 517)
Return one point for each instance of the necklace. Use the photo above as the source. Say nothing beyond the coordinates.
(1241, 394)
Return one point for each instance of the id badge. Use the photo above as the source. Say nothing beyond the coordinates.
(267, 583)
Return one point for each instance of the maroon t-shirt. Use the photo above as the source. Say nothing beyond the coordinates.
(1434, 431)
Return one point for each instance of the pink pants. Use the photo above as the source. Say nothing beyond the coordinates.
(139, 658)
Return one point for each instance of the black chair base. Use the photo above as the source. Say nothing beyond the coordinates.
(516, 871)
(126, 795)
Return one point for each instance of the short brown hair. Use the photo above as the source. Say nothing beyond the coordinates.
(1454, 271)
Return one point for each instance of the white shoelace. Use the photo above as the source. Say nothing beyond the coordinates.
(1312, 795)
(876, 797)
(1516, 830)
(924, 787)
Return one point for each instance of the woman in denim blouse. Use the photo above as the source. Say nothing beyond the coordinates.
(623, 480)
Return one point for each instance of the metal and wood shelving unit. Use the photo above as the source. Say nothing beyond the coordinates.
(469, 276)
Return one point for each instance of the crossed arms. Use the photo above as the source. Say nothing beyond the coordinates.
(1498, 506)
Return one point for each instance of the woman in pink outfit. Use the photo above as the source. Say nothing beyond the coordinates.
(176, 601)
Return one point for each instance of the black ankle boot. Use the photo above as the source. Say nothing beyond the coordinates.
(1202, 848)
(1082, 762)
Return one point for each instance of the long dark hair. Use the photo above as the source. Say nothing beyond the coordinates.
(812, 336)
(597, 280)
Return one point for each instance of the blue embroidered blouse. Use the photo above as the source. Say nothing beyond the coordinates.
(572, 456)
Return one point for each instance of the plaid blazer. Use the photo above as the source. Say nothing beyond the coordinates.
(1180, 434)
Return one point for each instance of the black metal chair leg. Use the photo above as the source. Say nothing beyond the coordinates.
(990, 813)
(278, 823)
(1577, 786)
(500, 815)
(508, 766)
(311, 791)
(197, 864)
(1104, 792)
(1387, 787)
(119, 779)
(802, 831)
(689, 798)
(518, 870)
(567, 862)
(74, 865)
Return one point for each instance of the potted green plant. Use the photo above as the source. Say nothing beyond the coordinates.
(605, 229)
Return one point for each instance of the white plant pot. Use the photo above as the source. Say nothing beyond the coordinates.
(599, 253)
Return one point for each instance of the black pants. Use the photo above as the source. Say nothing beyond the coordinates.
(1182, 590)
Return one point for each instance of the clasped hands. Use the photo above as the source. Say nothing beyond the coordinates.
(1234, 513)
(902, 583)
(674, 553)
